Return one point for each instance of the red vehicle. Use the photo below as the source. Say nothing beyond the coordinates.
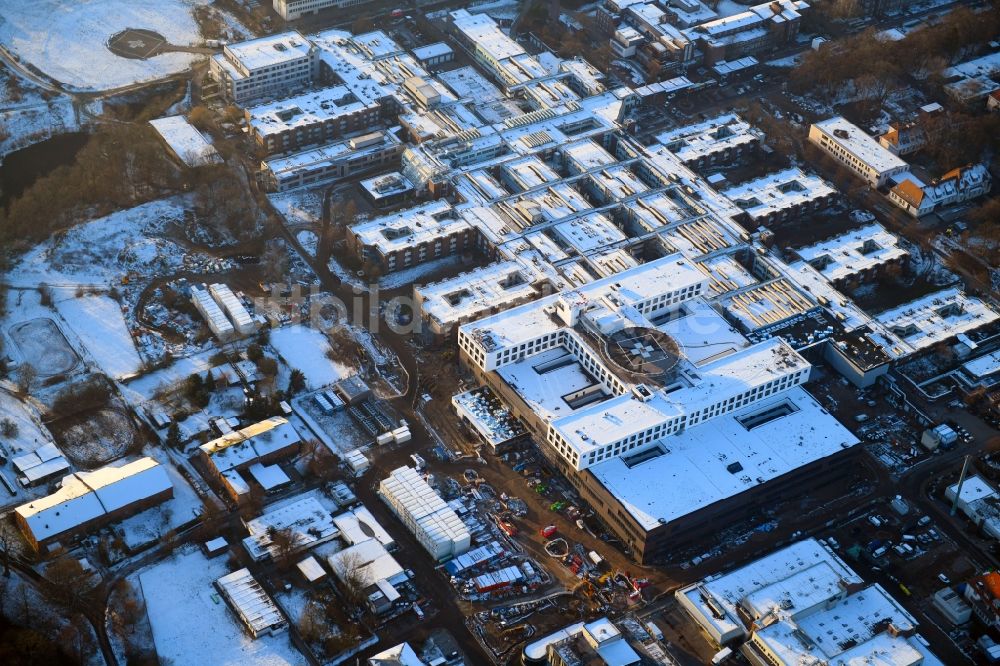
(548, 532)
(508, 528)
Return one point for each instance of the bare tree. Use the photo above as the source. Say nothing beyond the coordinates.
(285, 545)
(26, 375)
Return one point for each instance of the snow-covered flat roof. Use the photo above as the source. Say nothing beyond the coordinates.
(311, 569)
(370, 562)
(779, 191)
(984, 366)
(310, 108)
(305, 517)
(692, 142)
(271, 50)
(435, 50)
(696, 462)
(936, 317)
(410, 227)
(359, 525)
(860, 144)
(724, 592)
(187, 143)
(853, 253)
(483, 31)
(477, 292)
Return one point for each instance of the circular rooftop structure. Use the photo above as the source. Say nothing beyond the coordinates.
(647, 354)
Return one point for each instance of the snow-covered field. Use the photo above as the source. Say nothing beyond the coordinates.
(98, 321)
(192, 623)
(25, 123)
(143, 389)
(305, 348)
(100, 252)
(67, 40)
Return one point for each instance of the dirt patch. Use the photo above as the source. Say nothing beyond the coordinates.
(44, 347)
(94, 438)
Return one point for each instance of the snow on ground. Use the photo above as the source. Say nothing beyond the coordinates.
(308, 240)
(790, 61)
(300, 207)
(148, 526)
(31, 434)
(305, 348)
(143, 389)
(192, 622)
(26, 123)
(337, 430)
(68, 40)
(98, 321)
(101, 252)
(730, 7)
(408, 276)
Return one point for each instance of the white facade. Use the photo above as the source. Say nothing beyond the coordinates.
(853, 147)
(217, 322)
(291, 10)
(436, 526)
(243, 323)
(264, 68)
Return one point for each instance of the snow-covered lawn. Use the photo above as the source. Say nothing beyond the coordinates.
(192, 623)
(101, 252)
(25, 124)
(143, 389)
(68, 40)
(31, 434)
(305, 348)
(98, 321)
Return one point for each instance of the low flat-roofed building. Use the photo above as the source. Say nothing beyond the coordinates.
(434, 54)
(185, 141)
(854, 148)
(313, 117)
(600, 642)
(88, 500)
(388, 189)
(803, 604)
(855, 256)
(359, 525)
(488, 417)
(781, 195)
(369, 566)
(332, 162)
(716, 141)
(937, 317)
(435, 524)
(980, 502)
(265, 442)
(303, 518)
(252, 604)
